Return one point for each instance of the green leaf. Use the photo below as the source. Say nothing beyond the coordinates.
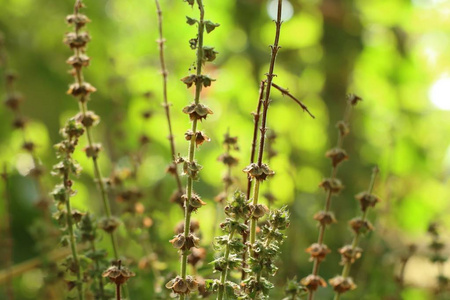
(210, 26)
(191, 21)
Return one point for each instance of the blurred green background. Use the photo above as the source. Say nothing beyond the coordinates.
(393, 53)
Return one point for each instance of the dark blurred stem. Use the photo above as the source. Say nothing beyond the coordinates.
(118, 292)
(166, 104)
(356, 238)
(322, 226)
(97, 269)
(191, 152)
(9, 244)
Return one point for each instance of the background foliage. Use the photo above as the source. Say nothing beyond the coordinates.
(388, 52)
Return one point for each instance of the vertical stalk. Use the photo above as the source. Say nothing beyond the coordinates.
(275, 47)
(191, 151)
(166, 103)
(322, 226)
(73, 245)
(356, 238)
(83, 109)
(9, 245)
(224, 274)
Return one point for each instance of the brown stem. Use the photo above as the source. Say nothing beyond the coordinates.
(166, 103)
(285, 92)
(118, 292)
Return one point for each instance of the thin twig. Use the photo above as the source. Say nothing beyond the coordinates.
(285, 92)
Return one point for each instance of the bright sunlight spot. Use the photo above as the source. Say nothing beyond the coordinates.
(286, 12)
(440, 93)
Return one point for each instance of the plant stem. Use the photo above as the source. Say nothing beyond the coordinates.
(256, 117)
(263, 128)
(191, 151)
(118, 292)
(9, 244)
(166, 104)
(322, 226)
(357, 237)
(73, 246)
(97, 173)
(97, 269)
(224, 275)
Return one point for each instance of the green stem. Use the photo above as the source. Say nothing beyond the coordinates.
(191, 152)
(253, 221)
(73, 245)
(224, 275)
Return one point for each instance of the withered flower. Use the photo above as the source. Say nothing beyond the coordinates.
(259, 211)
(312, 282)
(353, 99)
(88, 119)
(109, 224)
(189, 80)
(194, 226)
(83, 89)
(367, 200)
(182, 243)
(343, 128)
(92, 151)
(13, 101)
(325, 217)
(180, 286)
(342, 284)
(318, 251)
(197, 255)
(349, 255)
(228, 159)
(257, 172)
(360, 226)
(78, 61)
(118, 274)
(333, 185)
(197, 111)
(78, 19)
(79, 40)
(336, 155)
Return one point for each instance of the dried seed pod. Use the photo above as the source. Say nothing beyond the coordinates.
(257, 172)
(312, 282)
(109, 224)
(197, 111)
(337, 156)
(360, 226)
(118, 274)
(342, 284)
(367, 200)
(332, 185)
(349, 255)
(318, 251)
(83, 89)
(325, 218)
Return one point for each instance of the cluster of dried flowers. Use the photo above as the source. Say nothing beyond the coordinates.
(332, 186)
